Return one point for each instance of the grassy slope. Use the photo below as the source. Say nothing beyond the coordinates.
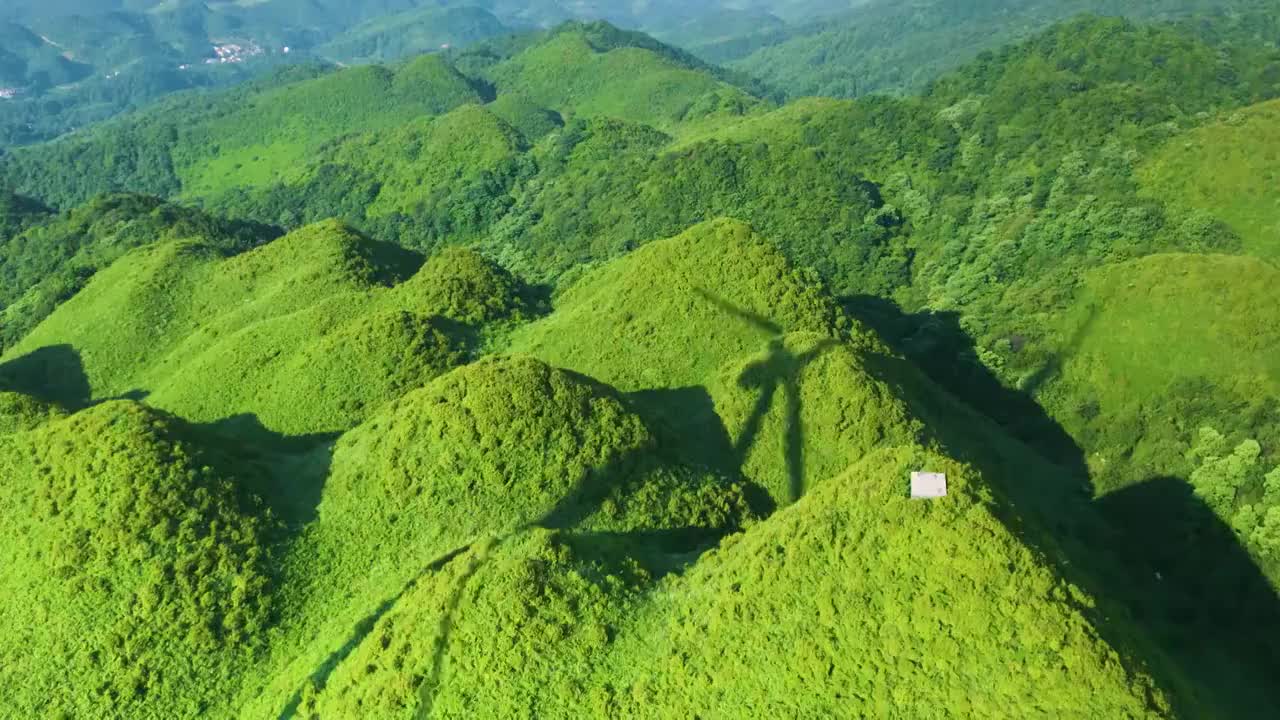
(423, 158)
(267, 137)
(479, 453)
(796, 617)
(568, 74)
(48, 259)
(744, 374)
(146, 555)
(563, 606)
(1167, 332)
(303, 333)
(244, 136)
(477, 458)
(1228, 168)
(818, 628)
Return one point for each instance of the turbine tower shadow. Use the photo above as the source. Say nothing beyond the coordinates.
(779, 370)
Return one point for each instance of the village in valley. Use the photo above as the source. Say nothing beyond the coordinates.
(234, 52)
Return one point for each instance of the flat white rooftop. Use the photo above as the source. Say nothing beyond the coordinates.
(928, 485)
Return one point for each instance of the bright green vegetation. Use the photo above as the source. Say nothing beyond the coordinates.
(304, 334)
(1131, 397)
(1227, 168)
(19, 413)
(1238, 487)
(793, 573)
(261, 134)
(805, 638)
(72, 64)
(510, 494)
(150, 559)
(892, 46)
(567, 376)
(45, 259)
(598, 72)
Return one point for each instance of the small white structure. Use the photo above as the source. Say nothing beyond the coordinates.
(927, 485)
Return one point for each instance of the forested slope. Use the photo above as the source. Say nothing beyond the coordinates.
(452, 505)
(569, 376)
(886, 46)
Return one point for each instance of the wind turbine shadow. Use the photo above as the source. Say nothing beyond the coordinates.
(780, 369)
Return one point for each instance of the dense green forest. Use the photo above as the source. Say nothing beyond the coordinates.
(65, 65)
(890, 46)
(569, 375)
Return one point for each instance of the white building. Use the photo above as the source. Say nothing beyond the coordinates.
(926, 485)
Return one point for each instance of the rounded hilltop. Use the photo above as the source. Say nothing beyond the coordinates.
(135, 568)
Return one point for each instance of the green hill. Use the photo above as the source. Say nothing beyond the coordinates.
(897, 47)
(790, 646)
(423, 29)
(246, 136)
(45, 259)
(1118, 367)
(1224, 169)
(510, 494)
(596, 70)
(304, 333)
(260, 134)
(135, 574)
(564, 376)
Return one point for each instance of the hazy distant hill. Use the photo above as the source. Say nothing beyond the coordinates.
(66, 65)
(895, 46)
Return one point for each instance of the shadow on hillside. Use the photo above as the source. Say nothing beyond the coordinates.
(444, 629)
(1219, 612)
(1201, 627)
(1053, 367)
(689, 431)
(936, 344)
(320, 676)
(778, 372)
(53, 374)
(287, 472)
(660, 552)
(391, 263)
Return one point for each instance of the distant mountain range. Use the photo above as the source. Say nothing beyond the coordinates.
(65, 65)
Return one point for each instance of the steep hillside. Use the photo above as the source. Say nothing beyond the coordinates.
(565, 376)
(1119, 383)
(67, 65)
(1227, 169)
(575, 516)
(596, 70)
(246, 136)
(895, 47)
(793, 628)
(256, 135)
(136, 569)
(45, 259)
(305, 334)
